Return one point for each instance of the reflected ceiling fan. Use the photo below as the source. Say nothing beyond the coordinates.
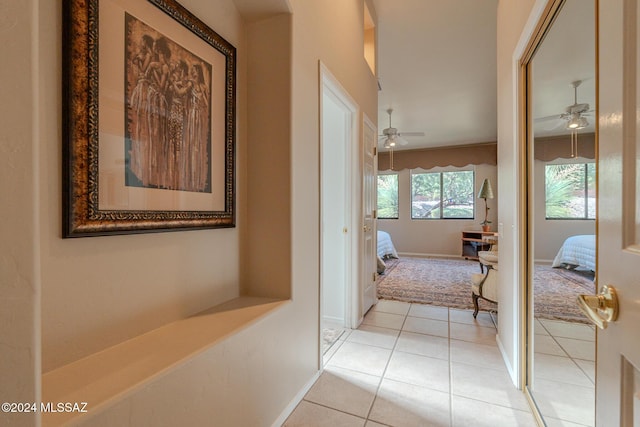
(574, 116)
(391, 138)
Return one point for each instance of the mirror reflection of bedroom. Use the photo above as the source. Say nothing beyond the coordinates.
(562, 197)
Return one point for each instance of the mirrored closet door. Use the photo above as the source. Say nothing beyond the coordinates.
(561, 216)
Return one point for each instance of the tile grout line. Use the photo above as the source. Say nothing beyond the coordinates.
(384, 371)
(450, 341)
(366, 418)
(394, 349)
(553, 337)
(333, 409)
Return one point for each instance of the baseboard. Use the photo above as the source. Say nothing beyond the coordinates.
(423, 255)
(332, 319)
(512, 373)
(295, 401)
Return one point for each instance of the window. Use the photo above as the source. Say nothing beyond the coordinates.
(570, 191)
(442, 195)
(369, 39)
(388, 196)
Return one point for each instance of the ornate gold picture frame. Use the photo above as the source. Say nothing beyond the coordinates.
(148, 119)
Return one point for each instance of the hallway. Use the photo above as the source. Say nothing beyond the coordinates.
(415, 365)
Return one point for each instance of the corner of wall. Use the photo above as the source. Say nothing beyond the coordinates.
(19, 174)
(266, 263)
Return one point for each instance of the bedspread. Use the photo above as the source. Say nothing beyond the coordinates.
(385, 246)
(577, 251)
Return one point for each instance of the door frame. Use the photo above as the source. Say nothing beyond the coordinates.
(332, 86)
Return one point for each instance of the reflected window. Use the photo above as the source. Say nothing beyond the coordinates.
(570, 191)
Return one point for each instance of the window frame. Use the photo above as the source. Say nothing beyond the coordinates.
(441, 173)
(585, 189)
(397, 175)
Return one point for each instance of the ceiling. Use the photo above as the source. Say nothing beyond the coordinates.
(437, 69)
(567, 54)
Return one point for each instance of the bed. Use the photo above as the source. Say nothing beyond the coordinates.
(385, 246)
(577, 252)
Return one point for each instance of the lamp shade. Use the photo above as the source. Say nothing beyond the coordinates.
(486, 192)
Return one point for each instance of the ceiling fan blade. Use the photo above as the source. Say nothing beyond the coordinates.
(411, 133)
(556, 125)
(401, 141)
(547, 118)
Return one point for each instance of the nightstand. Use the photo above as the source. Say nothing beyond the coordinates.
(474, 242)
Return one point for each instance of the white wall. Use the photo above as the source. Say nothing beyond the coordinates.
(100, 291)
(329, 31)
(512, 19)
(437, 237)
(19, 224)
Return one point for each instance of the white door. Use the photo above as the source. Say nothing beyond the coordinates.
(334, 261)
(339, 208)
(618, 346)
(369, 274)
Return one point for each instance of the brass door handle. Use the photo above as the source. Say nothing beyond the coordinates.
(601, 308)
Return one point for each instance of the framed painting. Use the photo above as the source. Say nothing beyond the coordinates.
(148, 119)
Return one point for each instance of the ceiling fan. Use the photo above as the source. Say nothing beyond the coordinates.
(391, 137)
(574, 116)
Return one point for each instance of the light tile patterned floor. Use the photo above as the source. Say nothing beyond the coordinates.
(564, 372)
(415, 365)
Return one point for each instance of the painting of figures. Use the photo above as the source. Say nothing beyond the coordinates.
(167, 112)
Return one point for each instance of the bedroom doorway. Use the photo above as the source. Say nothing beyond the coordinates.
(339, 250)
(561, 214)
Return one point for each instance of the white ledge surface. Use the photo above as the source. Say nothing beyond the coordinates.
(118, 370)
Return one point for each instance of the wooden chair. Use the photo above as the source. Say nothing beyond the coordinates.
(491, 255)
(485, 285)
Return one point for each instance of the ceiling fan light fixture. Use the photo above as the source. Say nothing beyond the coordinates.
(574, 112)
(572, 124)
(582, 123)
(390, 142)
(577, 122)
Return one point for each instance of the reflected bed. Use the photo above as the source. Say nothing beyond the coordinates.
(577, 252)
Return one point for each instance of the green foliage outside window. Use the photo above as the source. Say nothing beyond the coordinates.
(442, 195)
(388, 196)
(570, 191)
